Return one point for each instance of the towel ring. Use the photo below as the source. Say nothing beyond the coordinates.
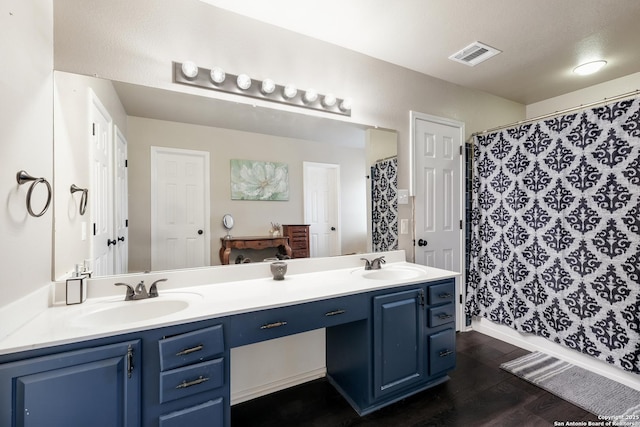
(83, 199)
(23, 177)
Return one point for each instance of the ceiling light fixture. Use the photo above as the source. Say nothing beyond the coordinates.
(187, 73)
(589, 67)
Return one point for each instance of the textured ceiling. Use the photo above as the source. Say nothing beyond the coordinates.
(541, 40)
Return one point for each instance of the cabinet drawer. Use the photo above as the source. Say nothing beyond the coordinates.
(192, 347)
(182, 382)
(278, 322)
(442, 293)
(210, 413)
(442, 351)
(441, 314)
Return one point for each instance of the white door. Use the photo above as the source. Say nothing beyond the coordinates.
(437, 145)
(322, 208)
(100, 193)
(121, 204)
(180, 235)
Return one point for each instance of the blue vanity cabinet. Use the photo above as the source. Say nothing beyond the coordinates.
(96, 387)
(406, 345)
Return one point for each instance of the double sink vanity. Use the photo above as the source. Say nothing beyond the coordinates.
(165, 361)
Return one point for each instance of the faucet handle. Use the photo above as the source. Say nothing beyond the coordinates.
(153, 290)
(367, 263)
(130, 291)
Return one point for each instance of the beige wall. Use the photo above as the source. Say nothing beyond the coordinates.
(588, 95)
(251, 217)
(71, 162)
(26, 136)
(150, 34)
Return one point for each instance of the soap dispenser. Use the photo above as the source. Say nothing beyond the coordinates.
(77, 287)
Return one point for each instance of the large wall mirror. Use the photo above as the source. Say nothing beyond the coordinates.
(180, 150)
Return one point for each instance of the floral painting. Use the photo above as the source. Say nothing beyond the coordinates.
(255, 180)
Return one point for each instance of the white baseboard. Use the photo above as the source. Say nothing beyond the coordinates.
(264, 389)
(535, 343)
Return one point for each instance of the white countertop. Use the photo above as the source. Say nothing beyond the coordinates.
(62, 324)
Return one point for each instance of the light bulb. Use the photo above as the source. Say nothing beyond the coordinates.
(217, 75)
(268, 86)
(310, 96)
(345, 105)
(289, 91)
(329, 100)
(189, 69)
(243, 81)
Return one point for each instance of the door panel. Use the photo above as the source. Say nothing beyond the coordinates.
(101, 196)
(322, 208)
(438, 195)
(180, 235)
(398, 344)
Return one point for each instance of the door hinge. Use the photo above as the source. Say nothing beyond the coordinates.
(95, 229)
(93, 129)
(461, 150)
(460, 298)
(460, 224)
(129, 361)
(126, 223)
(126, 163)
(421, 300)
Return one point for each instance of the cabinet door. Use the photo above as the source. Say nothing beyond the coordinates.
(398, 344)
(93, 387)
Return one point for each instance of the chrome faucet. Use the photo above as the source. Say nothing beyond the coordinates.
(140, 292)
(374, 264)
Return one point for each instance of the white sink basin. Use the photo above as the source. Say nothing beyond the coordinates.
(391, 273)
(125, 312)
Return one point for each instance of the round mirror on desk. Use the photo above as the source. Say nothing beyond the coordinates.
(227, 222)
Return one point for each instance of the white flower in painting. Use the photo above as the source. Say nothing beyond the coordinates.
(259, 180)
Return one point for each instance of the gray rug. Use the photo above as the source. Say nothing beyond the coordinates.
(592, 392)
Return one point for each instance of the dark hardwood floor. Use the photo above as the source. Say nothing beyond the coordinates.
(478, 394)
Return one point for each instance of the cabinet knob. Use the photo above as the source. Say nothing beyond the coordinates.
(200, 232)
(422, 242)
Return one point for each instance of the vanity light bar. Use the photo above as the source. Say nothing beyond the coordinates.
(201, 77)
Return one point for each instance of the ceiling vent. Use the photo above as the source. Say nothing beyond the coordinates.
(474, 54)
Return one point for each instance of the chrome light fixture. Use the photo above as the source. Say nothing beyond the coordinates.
(589, 67)
(188, 73)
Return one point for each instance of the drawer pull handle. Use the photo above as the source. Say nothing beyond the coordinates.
(186, 384)
(445, 316)
(190, 350)
(445, 295)
(273, 325)
(446, 353)
(335, 312)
